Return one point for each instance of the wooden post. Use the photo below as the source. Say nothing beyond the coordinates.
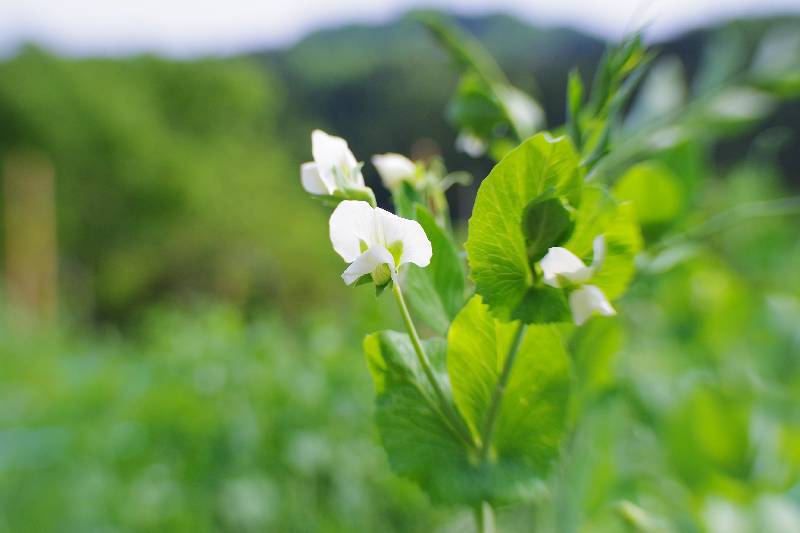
(31, 260)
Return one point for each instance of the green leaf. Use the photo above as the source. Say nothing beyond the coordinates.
(419, 443)
(544, 305)
(436, 293)
(532, 415)
(486, 104)
(601, 214)
(496, 247)
(655, 192)
(617, 62)
(463, 49)
(574, 105)
(545, 223)
(475, 109)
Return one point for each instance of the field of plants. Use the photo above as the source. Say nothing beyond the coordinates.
(262, 294)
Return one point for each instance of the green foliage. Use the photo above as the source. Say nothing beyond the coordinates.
(196, 421)
(601, 214)
(654, 191)
(437, 293)
(545, 223)
(594, 348)
(424, 445)
(418, 440)
(531, 418)
(170, 178)
(541, 167)
(485, 106)
(676, 415)
(709, 441)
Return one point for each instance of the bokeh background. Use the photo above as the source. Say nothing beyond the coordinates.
(178, 353)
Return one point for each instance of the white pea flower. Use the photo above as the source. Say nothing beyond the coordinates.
(472, 145)
(376, 242)
(394, 169)
(334, 168)
(563, 269)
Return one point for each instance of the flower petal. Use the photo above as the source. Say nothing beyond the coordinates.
(416, 246)
(351, 223)
(599, 246)
(588, 300)
(470, 144)
(366, 263)
(394, 168)
(312, 181)
(560, 263)
(331, 153)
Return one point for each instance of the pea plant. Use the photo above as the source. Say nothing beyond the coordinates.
(479, 412)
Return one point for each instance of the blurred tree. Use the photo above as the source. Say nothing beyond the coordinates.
(170, 178)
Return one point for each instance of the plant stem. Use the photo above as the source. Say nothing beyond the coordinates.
(497, 396)
(446, 410)
(484, 517)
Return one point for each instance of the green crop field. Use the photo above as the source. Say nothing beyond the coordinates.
(178, 351)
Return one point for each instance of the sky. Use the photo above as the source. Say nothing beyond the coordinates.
(186, 28)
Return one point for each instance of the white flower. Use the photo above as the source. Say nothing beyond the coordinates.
(394, 169)
(563, 269)
(376, 242)
(588, 300)
(523, 111)
(471, 145)
(334, 167)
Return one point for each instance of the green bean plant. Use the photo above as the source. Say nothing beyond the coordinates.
(480, 410)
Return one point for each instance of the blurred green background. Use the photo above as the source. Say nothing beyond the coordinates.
(178, 352)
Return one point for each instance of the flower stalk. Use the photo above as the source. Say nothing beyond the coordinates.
(447, 411)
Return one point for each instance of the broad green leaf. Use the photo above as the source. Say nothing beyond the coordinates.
(601, 214)
(544, 305)
(419, 443)
(545, 223)
(436, 293)
(655, 192)
(496, 246)
(532, 414)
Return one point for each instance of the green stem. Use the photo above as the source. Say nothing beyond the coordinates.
(484, 517)
(446, 409)
(497, 396)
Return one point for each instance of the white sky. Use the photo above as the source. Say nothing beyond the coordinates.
(195, 27)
